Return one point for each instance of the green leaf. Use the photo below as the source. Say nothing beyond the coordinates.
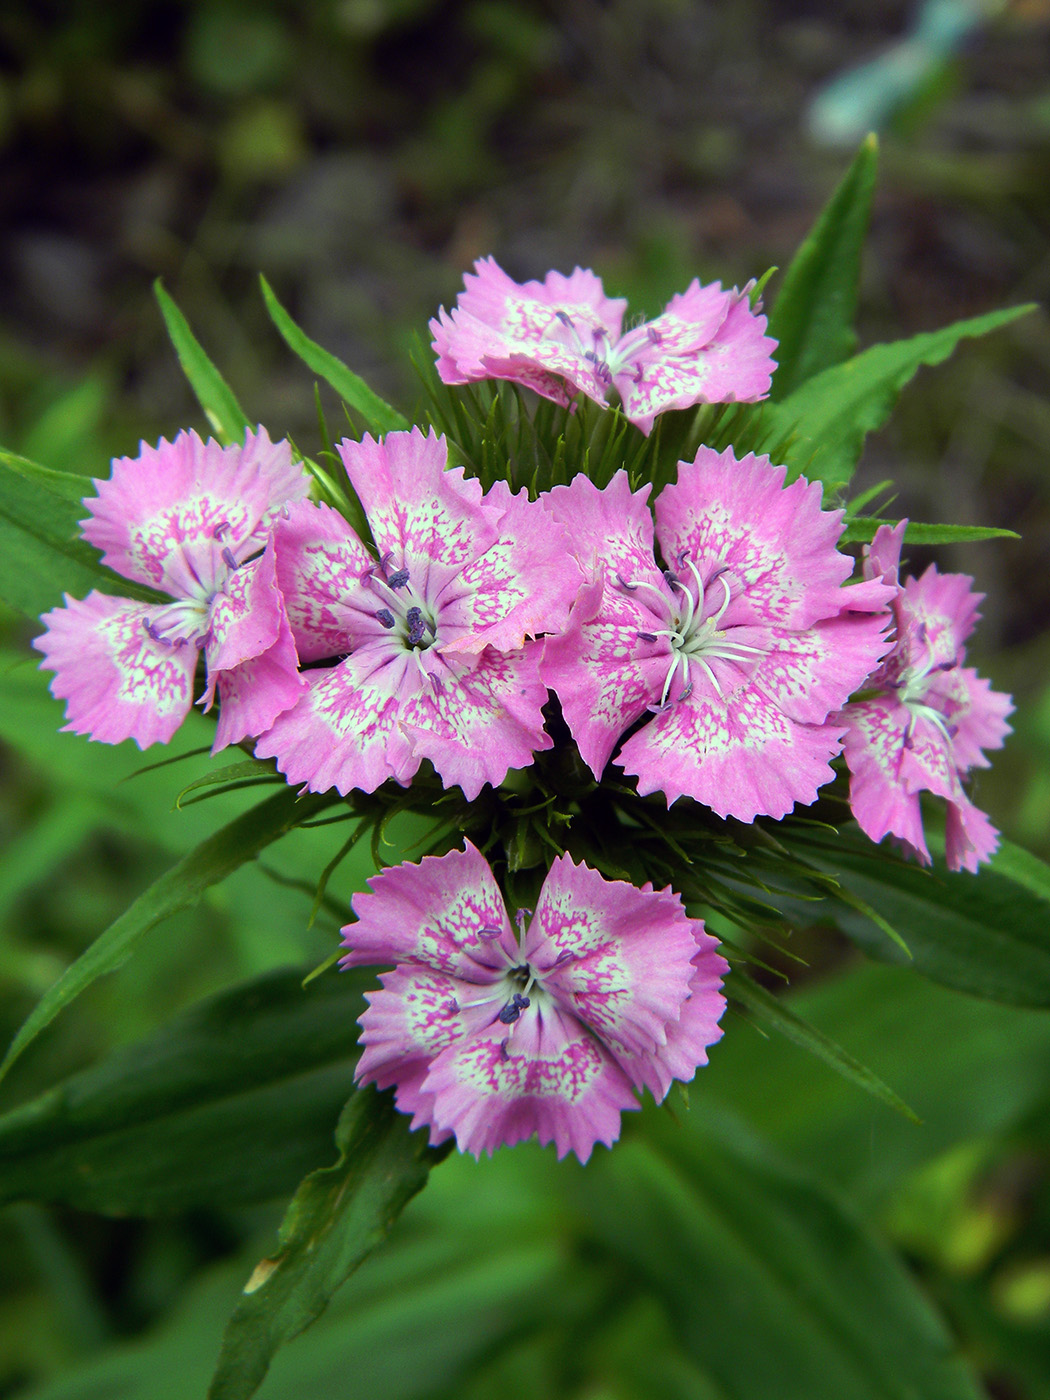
(230, 1102)
(774, 1012)
(988, 934)
(819, 429)
(862, 528)
(208, 863)
(969, 1069)
(772, 1284)
(336, 1218)
(817, 304)
(216, 397)
(41, 552)
(378, 415)
(248, 768)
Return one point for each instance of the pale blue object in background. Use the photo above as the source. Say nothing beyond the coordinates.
(864, 98)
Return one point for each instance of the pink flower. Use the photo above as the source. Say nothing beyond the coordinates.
(563, 336)
(190, 519)
(494, 1035)
(930, 721)
(433, 633)
(734, 656)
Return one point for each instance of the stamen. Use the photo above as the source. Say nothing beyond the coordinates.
(513, 1009)
(489, 932)
(228, 557)
(398, 579)
(220, 529)
(416, 626)
(647, 636)
(385, 616)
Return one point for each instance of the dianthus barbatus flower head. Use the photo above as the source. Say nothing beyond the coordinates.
(563, 336)
(494, 1031)
(433, 633)
(734, 655)
(190, 519)
(931, 719)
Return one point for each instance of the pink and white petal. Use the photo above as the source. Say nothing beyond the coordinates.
(523, 585)
(344, 731)
(882, 557)
(696, 1029)
(611, 527)
(495, 315)
(735, 366)
(165, 517)
(745, 759)
(549, 1078)
(975, 712)
(604, 675)
(943, 608)
(775, 542)
(418, 1014)
(117, 681)
(320, 565)
(616, 957)
(246, 616)
(873, 746)
(428, 516)
(476, 722)
(809, 674)
(253, 694)
(446, 913)
(969, 837)
(690, 320)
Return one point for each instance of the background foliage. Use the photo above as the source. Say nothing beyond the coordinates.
(361, 155)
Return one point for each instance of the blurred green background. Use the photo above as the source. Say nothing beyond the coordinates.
(362, 154)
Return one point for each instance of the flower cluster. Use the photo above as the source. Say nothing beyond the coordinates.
(494, 1032)
(564, 336)
(929, 718)
(710, 643)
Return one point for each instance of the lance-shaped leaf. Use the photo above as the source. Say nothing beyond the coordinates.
(208, 863)
(817, 304)
(773, 1012)
(336, 1218)
(216, 397)
(351, 388)
(819, 430)
(988, 933)
(231, 1102)
(799, 1300)
(862, 528)
(41, 552)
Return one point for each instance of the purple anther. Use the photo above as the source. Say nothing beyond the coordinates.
(622, 582)
(452, 1007)
(564, 318)
(909, 742)
(513, 1009)
(228, 557)
(200, 641)
(603, 373)
(672, 580)
(566, 955)
(220, 529)
(681, 557)
(489, 932)
(655, 338)
(952, 730)
(685, 693)
(638, 373)
(717, 573)
(647, 636)
(385, 616)
(504, 1053)
(398, 578)
(948, 665)
(416, 626)
(521, 918)
(150, 630)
